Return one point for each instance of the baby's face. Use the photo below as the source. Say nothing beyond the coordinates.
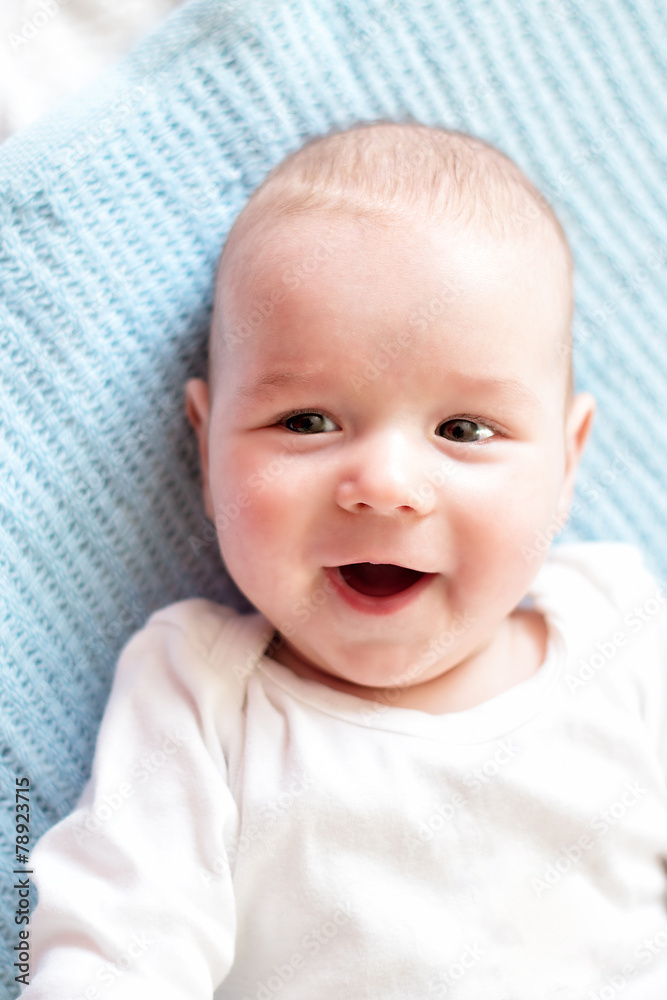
(392, 398)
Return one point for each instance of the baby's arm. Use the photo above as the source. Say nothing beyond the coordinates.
(135, 896)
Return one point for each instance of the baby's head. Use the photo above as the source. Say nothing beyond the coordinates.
(389, 425)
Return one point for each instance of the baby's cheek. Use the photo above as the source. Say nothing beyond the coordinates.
(531, 522)
(511, 510)
(257, 510)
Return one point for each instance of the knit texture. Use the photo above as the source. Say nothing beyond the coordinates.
(113, 212)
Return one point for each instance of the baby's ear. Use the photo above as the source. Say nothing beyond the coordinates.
(197, 409)
(577, 431)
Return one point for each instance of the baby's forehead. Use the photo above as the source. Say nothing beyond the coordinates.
(277, 253)
(294, 272)
(387, 180)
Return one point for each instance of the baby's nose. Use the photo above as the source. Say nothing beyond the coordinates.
(386, 475)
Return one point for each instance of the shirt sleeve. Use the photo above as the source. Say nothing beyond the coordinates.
(135, 891)
(640, 599)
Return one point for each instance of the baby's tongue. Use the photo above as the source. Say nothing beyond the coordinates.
(379, 579)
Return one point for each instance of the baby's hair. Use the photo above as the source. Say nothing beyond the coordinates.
(388, 172)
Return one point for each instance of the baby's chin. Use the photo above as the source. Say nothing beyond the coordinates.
(365, 669)
(363, 680)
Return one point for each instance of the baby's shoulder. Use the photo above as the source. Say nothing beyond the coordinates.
(597, 592)
(612, 612)
(201, 623)
(206, 646)
(616, 572)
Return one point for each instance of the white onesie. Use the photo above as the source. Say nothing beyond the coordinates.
(248, 834)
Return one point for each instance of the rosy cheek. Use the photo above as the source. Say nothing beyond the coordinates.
(256, 495)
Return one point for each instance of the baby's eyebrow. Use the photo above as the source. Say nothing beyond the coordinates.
(276, 379)
(510, 387)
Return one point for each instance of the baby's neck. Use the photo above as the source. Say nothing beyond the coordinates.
(516, 652)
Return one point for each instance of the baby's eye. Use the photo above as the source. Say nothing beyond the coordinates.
(464, 430)
(308, 423)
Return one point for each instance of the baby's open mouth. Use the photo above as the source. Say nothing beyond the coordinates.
(379, 579)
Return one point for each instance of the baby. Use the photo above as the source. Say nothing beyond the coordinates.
(433, 763)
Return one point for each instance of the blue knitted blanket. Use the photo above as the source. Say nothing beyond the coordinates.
(113, 211)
